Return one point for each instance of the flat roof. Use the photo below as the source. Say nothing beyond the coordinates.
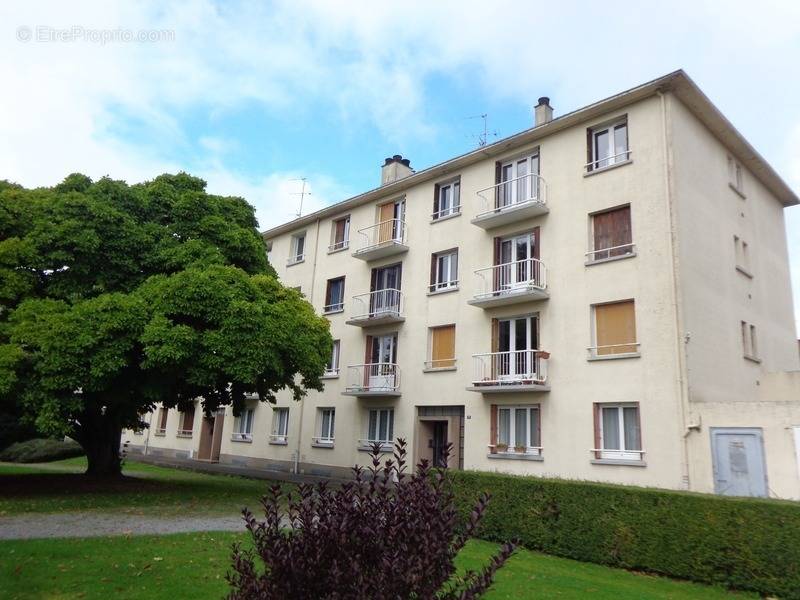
(677, 82)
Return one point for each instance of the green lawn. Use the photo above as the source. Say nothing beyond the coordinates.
(194, 565)
(147, 489)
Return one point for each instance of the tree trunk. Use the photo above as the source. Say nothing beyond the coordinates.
(100, 437)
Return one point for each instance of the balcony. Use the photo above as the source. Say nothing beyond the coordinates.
(510, 283)
(383, 239)
(512, 371)
(373, 380)
(380, 307)
(511, 201)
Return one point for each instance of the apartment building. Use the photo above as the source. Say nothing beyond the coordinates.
(604, 296)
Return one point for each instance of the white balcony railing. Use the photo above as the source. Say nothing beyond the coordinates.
(611, 350)
(514, 193)
(392, 231)
(613, 252)
(293, 260)
(511, 278)
(184, 433)
(333, 307)
(440, 363)
(446, 212)
(378, 304)
(373, 378)
(608, 161)
(341, 245)
(617, 454)
(517, 367)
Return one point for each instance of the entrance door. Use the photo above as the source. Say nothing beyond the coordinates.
(382, 370)
(439, 444)
(516, 257)
(738, 456)
(519, 181)
(517, 339)
(385, 295)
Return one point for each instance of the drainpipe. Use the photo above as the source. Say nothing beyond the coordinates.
(680, 340)
(296, 468)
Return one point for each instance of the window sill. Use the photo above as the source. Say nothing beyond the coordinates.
(744, 272)
(754, 359)
(242, 440)
(333, 312)
(620, 462)
(739, 192)
(446, 217)
(452, 288)
(183, 435)
(295, 262)
(330, 376)
(438, 369)
(160, 434)
(615, 356)
(383, 450)
(608, 168)
(336, 250)
(318, 445)
(600, 261)
(515, 456)
(278, 443)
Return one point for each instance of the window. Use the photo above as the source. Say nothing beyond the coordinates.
(187, 422)
(380, 427)
(447, 199)
(611, 234)
(243, 426)
(280, 426)
(617, 432)
(614, 329)
(735, 176)
(742, 254)
(749, 342)
(161, 429)
(518, 430)
(297, 252)
(340, 234)
(332, 368)
(326, 419)
(442, 347)
(444, 270)
(334, 295)
(608, 145)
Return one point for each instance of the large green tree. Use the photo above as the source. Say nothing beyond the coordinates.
(115, 297)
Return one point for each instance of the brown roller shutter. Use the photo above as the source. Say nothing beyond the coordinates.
(495, 335)
(443, 346)
(188, 419)
(386, 224)
(615, 326)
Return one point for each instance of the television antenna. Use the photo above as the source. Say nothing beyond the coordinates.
(302, 193)
(483, 138)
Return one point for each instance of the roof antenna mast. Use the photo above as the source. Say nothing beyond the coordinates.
(483, 138)
(302, 193)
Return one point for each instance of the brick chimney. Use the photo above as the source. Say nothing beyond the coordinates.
(543, 112)
(394, 168)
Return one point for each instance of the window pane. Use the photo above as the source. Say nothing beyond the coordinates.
(534, 427)
(444, 199)
(601, 148)
(632, 435)
(456, 194)
(372, 432)
(301, 242)
(610, 428)
(384, 425)
(504, 426)
(390, 437)
(332, 425)
(454, 266)
(520, 427)
(620, 141)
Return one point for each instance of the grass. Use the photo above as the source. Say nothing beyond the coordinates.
(184, 565)
(145, 489)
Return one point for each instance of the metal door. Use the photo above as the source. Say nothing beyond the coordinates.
(738, 457)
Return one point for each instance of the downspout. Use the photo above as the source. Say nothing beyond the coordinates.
(680, 341)
(296, 468)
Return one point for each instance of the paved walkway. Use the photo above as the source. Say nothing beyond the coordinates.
(95, 524)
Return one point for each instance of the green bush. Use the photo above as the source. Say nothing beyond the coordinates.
(742, 543)
(40, 450)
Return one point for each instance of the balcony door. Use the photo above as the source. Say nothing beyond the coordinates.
(516, 267)
(390, 219)
(385, 286)
(517, 339)
(518, 181)
(381, 372)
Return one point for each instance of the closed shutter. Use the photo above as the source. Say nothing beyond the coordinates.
(493, 428)
(339, 235)
(188, 419)
(436, 189)
(495, 335)
(496, 271)
(443, 347)
(434, 258)
(612, 229)
(367, 359)
(163, 418)
(615, 327)
(328, 293)
(386, 222)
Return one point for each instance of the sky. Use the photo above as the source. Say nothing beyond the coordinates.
(253, 96)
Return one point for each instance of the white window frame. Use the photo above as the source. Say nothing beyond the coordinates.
(615, 155)
(621, 453)
(332, 368)
(735, 175)
(243, 425)
(512, 430)
(373, 435)
(280, 425)
(298, 249)
(325, 436)
(452, 191)
(443, 277)
(749, 341)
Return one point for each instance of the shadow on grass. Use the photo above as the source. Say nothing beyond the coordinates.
(75, 484)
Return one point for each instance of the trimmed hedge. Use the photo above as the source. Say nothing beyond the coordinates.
(40, 450)
(741, 543)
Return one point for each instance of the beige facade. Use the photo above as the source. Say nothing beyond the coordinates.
(652, 345)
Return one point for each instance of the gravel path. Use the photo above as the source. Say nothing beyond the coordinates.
(94, 524)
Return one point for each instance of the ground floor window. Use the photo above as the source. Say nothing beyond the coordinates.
(326, 426)
(243, 426)
(518, 429)
(280, 426)
(618, 431)
(187, 421)
(161, 428)
(380, 427)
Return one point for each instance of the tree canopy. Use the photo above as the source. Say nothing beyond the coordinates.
(114, 298)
